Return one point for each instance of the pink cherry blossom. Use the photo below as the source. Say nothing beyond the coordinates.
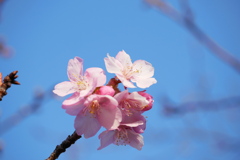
(97, 111)
(140, 71)
(132, 106)
(124, 135)
(81, 84)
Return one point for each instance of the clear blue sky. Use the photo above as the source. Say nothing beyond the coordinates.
(45, 34)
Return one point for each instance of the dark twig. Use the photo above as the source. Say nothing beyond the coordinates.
(188, 22)
(64, 145)
(7, 82)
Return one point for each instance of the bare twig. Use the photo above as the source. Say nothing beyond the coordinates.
(64, 145)
(187, 21)
(7, 82)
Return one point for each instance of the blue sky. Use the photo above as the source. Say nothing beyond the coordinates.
(46, 34)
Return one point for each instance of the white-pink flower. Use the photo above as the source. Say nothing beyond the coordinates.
(81, 84)
(140, 71)
(124, 135)
(97, 111)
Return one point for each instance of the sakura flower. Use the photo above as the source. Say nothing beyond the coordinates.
(131, 103)
(140, 71)
(97, 111)
(81, 84)
(124, 135)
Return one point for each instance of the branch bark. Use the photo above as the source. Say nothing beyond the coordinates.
(7, 82)
(64, 145)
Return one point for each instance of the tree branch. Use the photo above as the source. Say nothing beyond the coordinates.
(64, 145)
(7, 82)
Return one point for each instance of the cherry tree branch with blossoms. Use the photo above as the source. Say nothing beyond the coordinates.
(96, 105)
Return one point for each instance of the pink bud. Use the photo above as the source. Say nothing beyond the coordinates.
(105, 90)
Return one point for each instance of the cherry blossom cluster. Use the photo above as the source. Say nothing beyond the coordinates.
(97, 105)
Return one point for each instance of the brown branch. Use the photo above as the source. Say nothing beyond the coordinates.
(188, 22)
(64, 145)
(7, 82)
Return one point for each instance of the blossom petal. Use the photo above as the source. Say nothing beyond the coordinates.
(86, 124)
(133, 124)
(73, 104)
(109, 115)
(107, 137)
(136, 140)
(75, 68)
(125, 82)
(64, 88)
(145, 69)
(112, 65)
(135, 96)
(96, 76)
(145, 83)
(124, 58)
(121, 96)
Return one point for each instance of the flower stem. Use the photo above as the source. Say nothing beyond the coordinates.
(64, 145)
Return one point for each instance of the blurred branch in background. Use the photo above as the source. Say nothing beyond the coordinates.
(7, 82)
(186, 19)
(24, 112)
(187, 107)
(5, 51)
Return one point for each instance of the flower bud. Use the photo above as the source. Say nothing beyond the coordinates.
(105, 90)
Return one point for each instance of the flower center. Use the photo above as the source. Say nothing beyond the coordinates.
(128, 72)
(82, 85)
(122, 137)
(130, 106)
(93, 107)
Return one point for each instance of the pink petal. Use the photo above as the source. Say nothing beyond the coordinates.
(140, 128)
(73, 104)
(146, 69)
(124, 58)
(109, 115)
(133, 124)
(136, 140)
(125, 82)
(112, 65)
(75, 68)
(136, 119)
(139, 99)
(86, 124)
(145, 83)
(121, 96)
(64, 88)
(107, 137)
(96, 75)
